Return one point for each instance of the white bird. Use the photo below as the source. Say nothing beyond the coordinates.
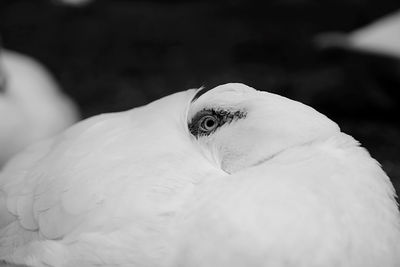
(226, 177)
(380, 37)
(32, 106)
(74, 2)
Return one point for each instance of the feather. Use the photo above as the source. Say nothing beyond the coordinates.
(137, 188)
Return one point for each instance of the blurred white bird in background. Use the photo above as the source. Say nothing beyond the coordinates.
(226, 177)
(73, 2)
(381, 37)
(32, 106)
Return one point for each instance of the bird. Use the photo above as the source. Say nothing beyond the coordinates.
(380, 37)
(32, 106)
(222, 176)
(74, 3)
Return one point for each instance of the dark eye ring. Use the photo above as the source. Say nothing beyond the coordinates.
(208, 123)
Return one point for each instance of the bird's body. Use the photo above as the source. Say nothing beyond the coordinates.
(163, 186)
(319, 204)
(31, 104)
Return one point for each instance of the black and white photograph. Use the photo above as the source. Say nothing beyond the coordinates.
(199, 133)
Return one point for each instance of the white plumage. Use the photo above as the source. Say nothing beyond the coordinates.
(31, 104)
(381, 37)
(233, 177)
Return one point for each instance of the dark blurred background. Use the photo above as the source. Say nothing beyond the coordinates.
(115, 55)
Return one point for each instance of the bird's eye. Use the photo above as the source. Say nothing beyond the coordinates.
(208, 123)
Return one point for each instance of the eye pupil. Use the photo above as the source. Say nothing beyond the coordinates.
(208, 123)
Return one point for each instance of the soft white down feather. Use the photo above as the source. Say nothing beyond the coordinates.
(232, 177)
(31, 104)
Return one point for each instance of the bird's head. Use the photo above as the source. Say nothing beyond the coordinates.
(237, 126)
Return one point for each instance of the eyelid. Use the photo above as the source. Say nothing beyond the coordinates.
(201, 114)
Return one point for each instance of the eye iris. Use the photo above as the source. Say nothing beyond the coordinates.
(208, 123)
